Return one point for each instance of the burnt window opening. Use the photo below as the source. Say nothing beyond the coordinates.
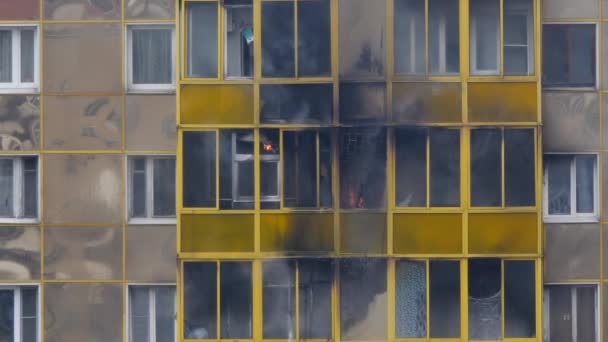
(362, 102)
(296, 103)
(236, 169)
(569, 55)
(363, 168)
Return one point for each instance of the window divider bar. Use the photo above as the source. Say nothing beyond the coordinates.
(318, 168)
(18, 185)
(17, 312)
(16, 55)
(295, 38)
(297, 299)
(574, 314)
(428, 167)
(149, 187)
(426, 37)
(152, 314)
(573, 188)
(502, 169)
(501, 59)
(218, 311)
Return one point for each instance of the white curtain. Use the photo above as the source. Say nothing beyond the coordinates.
(6, 56)
(152, 56)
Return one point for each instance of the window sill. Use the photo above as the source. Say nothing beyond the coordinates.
(19, 220)
(152, 221)
(27, 91)
(581, 89)
(142, 91)
(571, 219)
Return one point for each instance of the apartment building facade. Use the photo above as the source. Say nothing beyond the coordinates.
(348, 170)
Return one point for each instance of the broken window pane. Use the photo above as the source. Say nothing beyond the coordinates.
(485, 299)
(202, 39)
(585, 166)
(315, 281)
(363, 166)
(300, 169)
(279, 300)
(444, 37)
(520, 187)
(236, 169)
(200, 300)
(410, 39)
(314, 44)
(558, 184)
(363, 302)
(362, 102)
(444, 301)
(445, 167)
(518, 37)
(236, 300)
(410, 302)
(296, 103)
(6, 187)
(569, 55)
(278, 39)
(238, 30)
(199, 169)
(30, 187)
(485, 36)
(486, 167)
(520, 299)
(410, 167)
(164, 187)
(270, 172)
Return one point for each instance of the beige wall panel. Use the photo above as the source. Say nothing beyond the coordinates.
(83, 312)
(82, 58)
(605, 8)
(81, 9)
(570, 9)
(571, 121)
(82, 253)
(362, 38)
(19, 122)
(83, 189)
(82, 123)
(604, 54)
(572, 251)
(151, 254)
(150, 122)
(150, 9)
(19, 253)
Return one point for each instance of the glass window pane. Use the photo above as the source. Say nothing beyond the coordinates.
(139, 311)
(410, 45)
(7, 324)
(558, 184)
(6, 187)
(152, 56)
(363, 166)
(444, 301)
(27, 55)
(239, 38)
(485, 32)
(569, 55)
(519, 167)
(410, 167)
(444, 37)
(202, 39)
(520, 299)
(315, 281)
(363, 302)
(411, 299)
(164, 187)
(236, 169)
(585, 166)
(314, 44)
(30, 187)
(269, 168)
(518, 37)
(236, 300)
(279, 300)
(29, 313)
(485, 299)
(445, 167)
(486, 167)
(325, 159)
(6, 56)
(300, 169)
(165, 313)
(559, 306)
(586, 302)
(278, 59)
(200, 300)
(199, 169)
(138, 187)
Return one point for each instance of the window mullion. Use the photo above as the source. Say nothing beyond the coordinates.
(17, 314)
(426, 37)
(296, 289)
(16, 55)
(573, 186)
(318, 167)
(574, 314)
(149, 187)
(428, 167)
(501, 37)
(295, 38)
(152, 314)
(218, 310)
(18, 187)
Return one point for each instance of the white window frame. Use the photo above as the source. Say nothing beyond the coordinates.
(473, 48)
(152, 309)
(18, 206)
(150, 218)
(573, 216)
(573, 286)
(148, 87)
(17, 307)
(16, 86)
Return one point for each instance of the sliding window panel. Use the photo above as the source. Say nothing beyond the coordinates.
(444, 144)
(486, 169)
(82, 123)
(82, 58)
(518, 37)
(315, 295)
(150, 9)
(278, 300)
(410, 37)
(200, 300)
(444, 301)
(19, 122)
(296, 103)
(20, 253)
(19, 9)
(82, 10)
(314, 38)
(410, 167)
(239, 39)
(300, 169)
(362, 38)
(485, 299)
(82, 253)
(519, 168)
(83, 189)
(236, 169)
(150, 123)
(443, 37)
(201, 39)
(199, 169)
(150, 253)
(410, 301)
(236, 300)
(278, 46)
(519, 299)
(485, 37)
